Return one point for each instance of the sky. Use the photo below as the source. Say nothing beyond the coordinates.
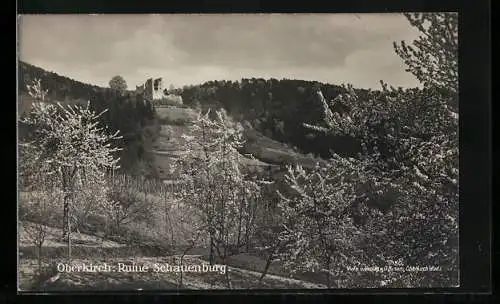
(192, 49)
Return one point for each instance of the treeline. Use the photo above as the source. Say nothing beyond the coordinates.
(58, 87)
(277, 109)
(127, 112)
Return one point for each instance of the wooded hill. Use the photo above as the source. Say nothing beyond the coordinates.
(274, 111)
(127, 112)
(277, 109)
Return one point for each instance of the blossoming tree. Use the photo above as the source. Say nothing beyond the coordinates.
(406, 190)
(217, 187)
(68, 143)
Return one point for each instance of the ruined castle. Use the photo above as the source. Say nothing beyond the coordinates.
(153, 91)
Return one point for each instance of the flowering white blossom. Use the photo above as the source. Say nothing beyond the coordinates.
(223, 194)
(408, 167)
(69, 143)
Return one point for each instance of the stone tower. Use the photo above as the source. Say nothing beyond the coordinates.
(158, 89)
(152, 89)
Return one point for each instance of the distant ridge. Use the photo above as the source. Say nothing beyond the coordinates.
(59, 87)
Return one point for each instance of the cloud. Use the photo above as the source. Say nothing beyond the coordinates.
(187, 49)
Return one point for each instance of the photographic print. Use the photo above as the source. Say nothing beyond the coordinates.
(173, 152)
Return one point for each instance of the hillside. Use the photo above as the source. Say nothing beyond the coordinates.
(148, 142)
(126, 112)
(268, 153)
(155, 143)
(278, 110)
(59, 87)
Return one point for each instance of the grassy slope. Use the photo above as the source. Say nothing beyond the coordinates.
(170, 143)
(93, 248)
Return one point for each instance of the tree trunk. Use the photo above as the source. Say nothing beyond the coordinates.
(66, 217)
(328, 284)
(39, 256)
(211, 255)
(268, 263)
(266, 268)
(68, 175)
(238, 240)
(328, 279)
(180, 280)
(168, 223)
(172, 239)
(248, 232)
(182, 261)
(118, 221)
(69, 232)
(228, 278)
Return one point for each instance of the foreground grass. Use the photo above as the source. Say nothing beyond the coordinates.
(150, 280)
(244, 269)
(88, 249)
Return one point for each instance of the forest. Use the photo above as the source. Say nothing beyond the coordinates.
(375, 206)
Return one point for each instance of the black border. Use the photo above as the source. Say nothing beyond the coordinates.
(475, 122)
(247, 6)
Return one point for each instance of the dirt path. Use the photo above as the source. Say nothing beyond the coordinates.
(152, 279)
(272, 277)
(120, 280)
